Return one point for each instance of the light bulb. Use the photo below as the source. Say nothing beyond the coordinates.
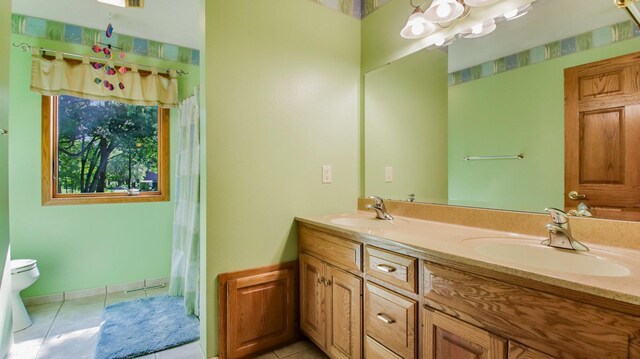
(443, 10)
(417, 29)
(510, 14)
(476, 29)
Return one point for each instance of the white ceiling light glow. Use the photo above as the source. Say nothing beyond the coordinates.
(442, 11)
(446, 20)
(417, 26)
(481, 29)
(517, 13)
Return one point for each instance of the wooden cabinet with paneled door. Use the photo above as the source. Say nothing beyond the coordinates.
(331, 308)
(447, 338)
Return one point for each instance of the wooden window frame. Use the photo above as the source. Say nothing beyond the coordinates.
(50, 196)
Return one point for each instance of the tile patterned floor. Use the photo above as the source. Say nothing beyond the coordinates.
(299, 350)
(69, 330)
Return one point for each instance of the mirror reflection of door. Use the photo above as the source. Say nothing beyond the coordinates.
(602, 137)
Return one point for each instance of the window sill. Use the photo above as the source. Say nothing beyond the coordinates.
(97, 199)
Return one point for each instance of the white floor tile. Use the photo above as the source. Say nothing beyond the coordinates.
(43, 314)
(187, 351)
(71, 342)
(34, 335)
(24, 350)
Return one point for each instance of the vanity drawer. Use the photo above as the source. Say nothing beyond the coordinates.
(375, 350)
(341, 252)
(390, 319)
(393, 268)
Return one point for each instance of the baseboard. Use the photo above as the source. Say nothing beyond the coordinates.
(90, 292)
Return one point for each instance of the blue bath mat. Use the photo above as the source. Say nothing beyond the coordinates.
(145, 326)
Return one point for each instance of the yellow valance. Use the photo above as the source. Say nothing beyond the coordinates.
(60, 77)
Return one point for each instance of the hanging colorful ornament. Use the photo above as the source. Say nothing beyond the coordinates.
(106, 83)
(109, 70)
(122, 55)
(97, 80)
(109, 31)
(111, 87)
(121, 86)
(97, 65)
(96, 48)
(107, 51)
(122, 70)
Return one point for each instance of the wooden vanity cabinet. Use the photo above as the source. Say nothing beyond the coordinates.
(446, 338)
(331, 298)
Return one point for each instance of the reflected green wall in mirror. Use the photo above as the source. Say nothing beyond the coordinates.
(406, 106)
(517, 111)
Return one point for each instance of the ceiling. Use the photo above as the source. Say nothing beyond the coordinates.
(548, 21)
(167, 21)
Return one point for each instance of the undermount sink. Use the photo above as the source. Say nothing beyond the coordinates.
(363, 222)
(560, 260)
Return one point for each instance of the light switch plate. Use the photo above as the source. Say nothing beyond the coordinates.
(327, 174)
(388, 174)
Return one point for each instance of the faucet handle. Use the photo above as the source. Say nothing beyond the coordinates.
(558, 216)
(377, 200)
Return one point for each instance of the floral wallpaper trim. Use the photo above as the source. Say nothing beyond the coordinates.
(57, 31)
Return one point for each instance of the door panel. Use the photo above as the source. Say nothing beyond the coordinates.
(446, 338)
(312, 317)
(602, 137)
(344, 318)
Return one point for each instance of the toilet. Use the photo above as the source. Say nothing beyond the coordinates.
(24, 272)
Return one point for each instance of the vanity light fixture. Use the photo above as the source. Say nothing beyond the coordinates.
(446, 20)
(479, 30)
(517, 13)
(417, 26)
(443, 11)
(475, 3)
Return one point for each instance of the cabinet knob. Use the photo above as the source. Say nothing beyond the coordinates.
(385, 318)
(386, 268)
(576, 196)
(328, 282)
(4, 132)
(321, 280)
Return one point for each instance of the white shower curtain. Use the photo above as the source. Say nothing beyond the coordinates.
(185, 262)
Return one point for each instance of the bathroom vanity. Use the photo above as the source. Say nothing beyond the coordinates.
(413, 288)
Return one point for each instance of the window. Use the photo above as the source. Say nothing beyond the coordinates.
(103, 152)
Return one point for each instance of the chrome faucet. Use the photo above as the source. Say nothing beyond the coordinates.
(379, 207)
(560, 233)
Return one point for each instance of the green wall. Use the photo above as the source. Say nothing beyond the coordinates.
(518, 111)
(406, 127)
(81, 246)
(381, 41)
(282, 98)
(5, 273)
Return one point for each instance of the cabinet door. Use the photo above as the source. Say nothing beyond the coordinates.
(519, 351)
(446, 338)
(343, 301)
(312, 317)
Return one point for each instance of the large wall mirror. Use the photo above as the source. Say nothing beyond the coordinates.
(435, 119)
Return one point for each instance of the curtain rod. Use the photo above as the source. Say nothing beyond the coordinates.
(26, 47)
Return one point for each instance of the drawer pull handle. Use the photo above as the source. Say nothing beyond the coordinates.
(328, 282)
(386, 268)
(385, 318)
(321, 280)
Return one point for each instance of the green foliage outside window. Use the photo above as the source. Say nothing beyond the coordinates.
(106, 146)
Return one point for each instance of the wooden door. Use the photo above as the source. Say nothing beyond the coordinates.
(343, 302)
(312, 292)
(260, 310)
(448, 338)
(602, 137)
